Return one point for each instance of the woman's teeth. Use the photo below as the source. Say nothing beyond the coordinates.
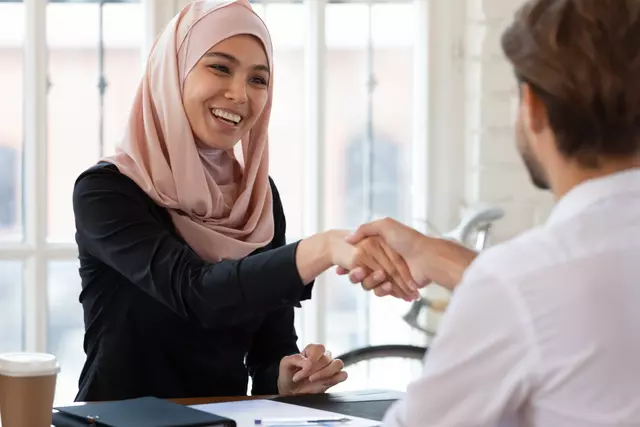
(226, 116)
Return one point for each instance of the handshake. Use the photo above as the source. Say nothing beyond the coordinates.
(386, 257)
(390, 258)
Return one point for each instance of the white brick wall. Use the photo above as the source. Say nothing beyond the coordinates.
(494, 171)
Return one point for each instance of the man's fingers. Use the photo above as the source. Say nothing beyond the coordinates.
(401, 265)
(364, 231)
(402, 274)
(393, 267)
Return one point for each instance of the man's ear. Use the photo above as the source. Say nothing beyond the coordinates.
(534, 113)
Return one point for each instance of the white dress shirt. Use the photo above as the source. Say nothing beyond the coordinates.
(544, 330)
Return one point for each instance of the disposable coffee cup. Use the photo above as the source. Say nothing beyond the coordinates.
(27, 389)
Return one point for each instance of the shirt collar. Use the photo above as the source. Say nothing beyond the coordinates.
(592, 191)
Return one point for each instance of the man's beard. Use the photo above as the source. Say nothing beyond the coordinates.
(533, 165)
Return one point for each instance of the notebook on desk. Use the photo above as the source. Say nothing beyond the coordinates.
(141, 412)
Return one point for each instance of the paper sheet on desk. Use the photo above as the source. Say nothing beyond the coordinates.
(245, 412)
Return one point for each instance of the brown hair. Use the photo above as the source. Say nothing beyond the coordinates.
(582, 59)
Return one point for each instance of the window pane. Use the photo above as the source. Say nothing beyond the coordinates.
(124, 37)
(75, 107)
(354, 318)
(66, 326)
(11, 313)
(11, 43)
(286, 129)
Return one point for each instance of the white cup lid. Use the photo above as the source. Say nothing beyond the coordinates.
(28, 364)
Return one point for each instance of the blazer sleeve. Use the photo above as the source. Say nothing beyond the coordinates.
(277, 336)
(114, 224)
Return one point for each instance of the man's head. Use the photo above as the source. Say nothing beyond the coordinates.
(578, 67)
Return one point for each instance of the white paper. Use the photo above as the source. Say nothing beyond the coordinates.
(245, 412)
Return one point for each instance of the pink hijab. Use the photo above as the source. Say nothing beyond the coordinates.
(222, 210)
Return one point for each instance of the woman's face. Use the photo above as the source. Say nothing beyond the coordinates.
(226, 91)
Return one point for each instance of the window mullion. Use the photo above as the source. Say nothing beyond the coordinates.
(35, 173)
(419, 152)
(102, 80)
(315, 46)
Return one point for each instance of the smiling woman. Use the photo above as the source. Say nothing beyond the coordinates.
(80, 75)
(188, 283)
(224, 93)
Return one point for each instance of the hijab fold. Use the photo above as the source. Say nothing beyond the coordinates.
(222, 209)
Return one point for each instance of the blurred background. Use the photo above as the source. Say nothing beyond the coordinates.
(400, 108)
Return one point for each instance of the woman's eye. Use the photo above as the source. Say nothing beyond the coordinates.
(220, 68)
(259, 81)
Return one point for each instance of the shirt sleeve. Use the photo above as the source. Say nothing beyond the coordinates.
(114, 224)
(479, 369)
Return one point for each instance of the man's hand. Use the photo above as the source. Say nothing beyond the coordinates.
(381, 268)
(311, 372)
(429, 259)
(394, 279)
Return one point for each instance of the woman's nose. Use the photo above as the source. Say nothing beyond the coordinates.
(237, 91)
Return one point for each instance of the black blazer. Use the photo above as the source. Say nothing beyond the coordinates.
(159, 320)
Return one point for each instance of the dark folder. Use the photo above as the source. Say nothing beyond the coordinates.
(141, 412)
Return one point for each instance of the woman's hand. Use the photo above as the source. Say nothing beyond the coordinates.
(375, 265)
(311, 372)
(372, 258)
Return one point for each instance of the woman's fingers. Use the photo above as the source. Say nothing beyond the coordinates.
(364, 274)
(334, 367)
(341, 271)
(320, 387)
(372, 270)
(374, 280)
(385, 289)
